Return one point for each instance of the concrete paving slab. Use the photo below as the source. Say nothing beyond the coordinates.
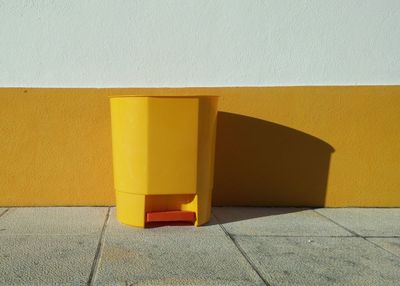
(321, 261)
(53, 220)
(390, 244)
(366, 221)
(276, 221)
(46, 259)
(173, 255)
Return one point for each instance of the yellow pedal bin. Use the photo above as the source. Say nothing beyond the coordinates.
(163, 158)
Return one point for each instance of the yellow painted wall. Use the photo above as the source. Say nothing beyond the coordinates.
(314, 146)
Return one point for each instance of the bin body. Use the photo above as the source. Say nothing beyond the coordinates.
(163, 156)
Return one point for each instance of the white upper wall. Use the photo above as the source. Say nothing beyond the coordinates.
(150, 43)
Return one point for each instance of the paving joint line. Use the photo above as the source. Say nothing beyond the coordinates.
(365, 238)
(99, 249)
(381, 236)
(338, 224)
(4, 212)
(246, 257)
(380, 247)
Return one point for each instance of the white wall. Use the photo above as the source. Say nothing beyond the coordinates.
(153, 43)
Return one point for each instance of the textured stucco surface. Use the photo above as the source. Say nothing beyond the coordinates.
(288, 146)
(148, 43)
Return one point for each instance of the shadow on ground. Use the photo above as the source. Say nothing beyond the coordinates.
(229, 214)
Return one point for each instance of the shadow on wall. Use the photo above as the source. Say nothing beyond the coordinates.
(266, 164)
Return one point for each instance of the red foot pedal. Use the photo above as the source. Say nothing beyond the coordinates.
(171, 216)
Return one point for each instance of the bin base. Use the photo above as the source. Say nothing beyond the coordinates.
(132, 209)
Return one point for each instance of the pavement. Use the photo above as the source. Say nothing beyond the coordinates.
(240, 246)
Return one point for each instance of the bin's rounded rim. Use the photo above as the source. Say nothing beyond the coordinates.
(161, 95)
